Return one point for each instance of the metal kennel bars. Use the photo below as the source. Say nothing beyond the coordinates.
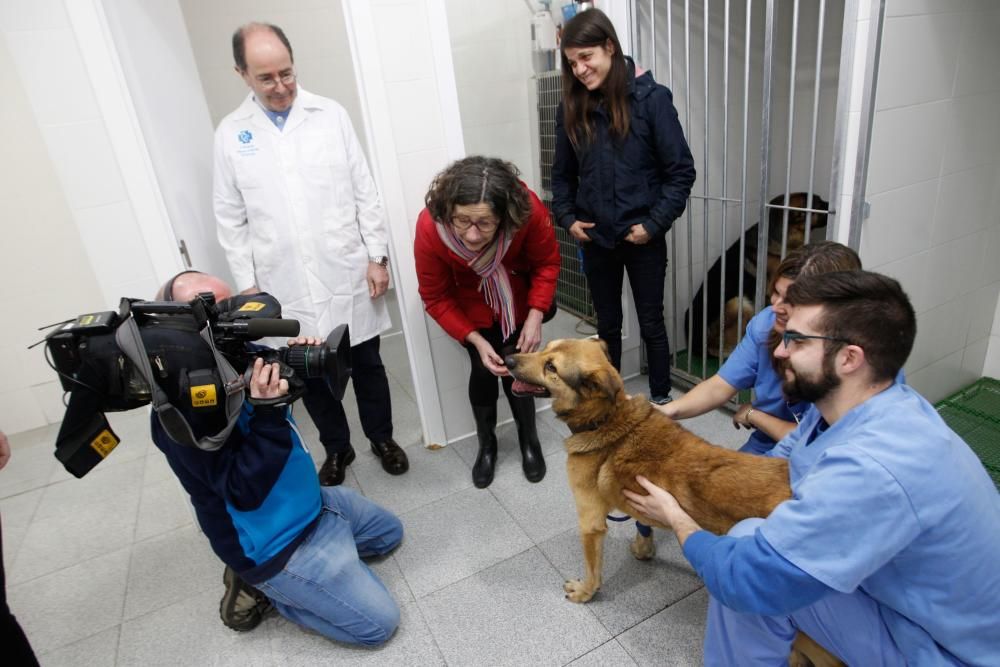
(758, 90)
(572, 293)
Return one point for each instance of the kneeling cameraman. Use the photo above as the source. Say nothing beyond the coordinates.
(260, 504)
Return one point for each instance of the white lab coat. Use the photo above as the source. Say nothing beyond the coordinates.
(298, 214)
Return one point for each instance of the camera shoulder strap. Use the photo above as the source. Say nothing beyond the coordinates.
(130, 341)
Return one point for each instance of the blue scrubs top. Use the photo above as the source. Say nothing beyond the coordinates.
(890, 500)
(750, 366)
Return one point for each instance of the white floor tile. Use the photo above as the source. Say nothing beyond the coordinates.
(456, 537)
(72, 604)
(513, 613)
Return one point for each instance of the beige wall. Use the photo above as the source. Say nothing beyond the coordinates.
(491, 49)
(315, 29)
(934, 184)
(44, 267)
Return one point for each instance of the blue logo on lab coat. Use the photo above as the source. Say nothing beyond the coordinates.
(245, 137)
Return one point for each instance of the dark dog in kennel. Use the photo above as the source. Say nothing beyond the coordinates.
(729, 285)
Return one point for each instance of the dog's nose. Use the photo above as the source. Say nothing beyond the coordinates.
(510, 361)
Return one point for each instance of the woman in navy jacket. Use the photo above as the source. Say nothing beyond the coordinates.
(621, 175)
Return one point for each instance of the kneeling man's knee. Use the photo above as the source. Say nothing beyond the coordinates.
(394, 532)
(382, 624)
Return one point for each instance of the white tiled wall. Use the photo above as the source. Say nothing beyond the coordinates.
(934, 184)
(315, 29)
(45, 269)
(491, 48)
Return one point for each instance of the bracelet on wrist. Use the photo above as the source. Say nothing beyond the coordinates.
(746, 417)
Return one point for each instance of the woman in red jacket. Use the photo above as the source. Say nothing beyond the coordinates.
(487, 263)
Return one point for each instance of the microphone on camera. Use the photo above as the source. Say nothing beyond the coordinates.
(261, 327)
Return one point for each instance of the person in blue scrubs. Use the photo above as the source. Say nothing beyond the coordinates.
(887, 552)
(769, 415)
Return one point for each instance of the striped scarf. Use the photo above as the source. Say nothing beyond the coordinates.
(488, 265)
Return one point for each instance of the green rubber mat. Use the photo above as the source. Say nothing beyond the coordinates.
(974, 414)
(711, 364)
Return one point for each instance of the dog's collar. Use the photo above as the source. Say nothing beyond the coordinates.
(589, 426)
(584, 428)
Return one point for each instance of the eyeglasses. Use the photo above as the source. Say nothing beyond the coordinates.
(270, 83)
(789, 337)
(485, 225)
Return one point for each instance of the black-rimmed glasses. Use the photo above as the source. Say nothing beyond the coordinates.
(485, 225)
(788, 337)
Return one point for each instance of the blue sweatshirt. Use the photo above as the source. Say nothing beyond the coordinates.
(748, 575)
(257, 497)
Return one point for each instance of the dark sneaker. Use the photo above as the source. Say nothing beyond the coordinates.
(661, 400)
(242, 607)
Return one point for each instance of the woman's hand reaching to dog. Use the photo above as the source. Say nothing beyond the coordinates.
(661, 506)
(493, 361)
(531, 331)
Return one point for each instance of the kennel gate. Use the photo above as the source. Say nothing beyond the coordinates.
(717, 56)
(572, 293)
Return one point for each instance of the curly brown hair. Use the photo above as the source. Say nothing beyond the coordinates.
(480, 180)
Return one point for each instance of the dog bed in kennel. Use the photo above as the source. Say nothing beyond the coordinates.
(974, 413)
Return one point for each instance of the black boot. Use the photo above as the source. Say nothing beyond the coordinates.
(532, 461)
(486, 461)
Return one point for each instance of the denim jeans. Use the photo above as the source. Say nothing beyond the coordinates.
(849, 624)
(371, 389)
(647, 269)
(326, 587)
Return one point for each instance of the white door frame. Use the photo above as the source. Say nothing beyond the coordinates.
(90, 27)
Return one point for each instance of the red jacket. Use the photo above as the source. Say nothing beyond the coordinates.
(450, 289)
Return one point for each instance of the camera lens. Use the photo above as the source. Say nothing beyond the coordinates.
(306, 360)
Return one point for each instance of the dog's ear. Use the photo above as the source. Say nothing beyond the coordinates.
(602, 383)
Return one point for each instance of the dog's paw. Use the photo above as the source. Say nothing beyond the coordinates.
(643, 548)
(576, 591)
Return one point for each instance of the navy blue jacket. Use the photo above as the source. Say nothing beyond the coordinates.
(257, 497)
(644, 179)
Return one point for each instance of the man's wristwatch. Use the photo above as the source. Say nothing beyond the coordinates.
(381, 260)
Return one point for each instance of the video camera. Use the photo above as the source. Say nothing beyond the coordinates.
(192, 361)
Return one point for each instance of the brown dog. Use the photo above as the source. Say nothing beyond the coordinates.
(614, 438)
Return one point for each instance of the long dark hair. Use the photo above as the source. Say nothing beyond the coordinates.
(594, 28)
(477, 179)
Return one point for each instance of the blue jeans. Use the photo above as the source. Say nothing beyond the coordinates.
(326, 587)
(849, 625)
(647, 270)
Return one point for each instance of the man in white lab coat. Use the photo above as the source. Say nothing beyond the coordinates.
(299, 217)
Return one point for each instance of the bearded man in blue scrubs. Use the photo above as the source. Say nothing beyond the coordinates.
(887, 552)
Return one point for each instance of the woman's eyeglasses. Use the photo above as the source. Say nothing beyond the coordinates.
(485, 225)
